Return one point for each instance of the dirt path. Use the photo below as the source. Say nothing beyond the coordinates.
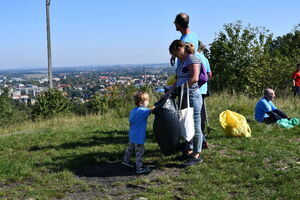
(113, 181)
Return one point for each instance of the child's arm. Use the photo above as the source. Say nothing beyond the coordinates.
(152, 109)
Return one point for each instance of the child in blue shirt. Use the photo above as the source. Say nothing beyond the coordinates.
(137, 132)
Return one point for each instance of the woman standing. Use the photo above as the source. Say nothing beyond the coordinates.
(188, 71)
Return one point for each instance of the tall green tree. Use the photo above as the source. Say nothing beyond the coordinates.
(247, 59)
(284, 54)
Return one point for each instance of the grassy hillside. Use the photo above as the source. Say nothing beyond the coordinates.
(73, 157)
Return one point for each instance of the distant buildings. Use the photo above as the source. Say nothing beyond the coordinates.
(84, 84)
(26, 92)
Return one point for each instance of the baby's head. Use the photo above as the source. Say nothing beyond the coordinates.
(141, 99)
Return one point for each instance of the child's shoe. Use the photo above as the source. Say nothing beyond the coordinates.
(128, 164)
(192, 161)
(143, 170)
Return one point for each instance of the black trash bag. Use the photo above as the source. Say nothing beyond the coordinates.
(166, 125)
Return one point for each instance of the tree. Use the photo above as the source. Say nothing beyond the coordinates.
(238, 58)
(247, 59)
(284, 53)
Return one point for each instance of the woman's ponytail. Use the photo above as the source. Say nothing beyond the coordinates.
(189, 48)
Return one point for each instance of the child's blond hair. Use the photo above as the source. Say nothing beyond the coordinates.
(140, 97)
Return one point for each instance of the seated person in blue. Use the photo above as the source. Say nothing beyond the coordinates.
(266, 111)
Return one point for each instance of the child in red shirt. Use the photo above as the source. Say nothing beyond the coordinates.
(296, 80)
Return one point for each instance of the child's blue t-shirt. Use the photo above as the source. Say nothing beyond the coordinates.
(138, 123)
(263, 106)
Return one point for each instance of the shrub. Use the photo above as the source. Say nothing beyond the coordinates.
(50, 103)
(79, 108)
(118, 99)
(12, 112)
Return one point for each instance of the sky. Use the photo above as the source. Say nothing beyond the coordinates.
(108, 32)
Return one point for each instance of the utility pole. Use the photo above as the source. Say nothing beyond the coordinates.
(49, 44)
(144, 72)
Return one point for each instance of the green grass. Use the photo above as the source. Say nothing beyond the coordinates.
(39, 160)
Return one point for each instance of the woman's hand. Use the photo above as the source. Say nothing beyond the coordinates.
(170, 90)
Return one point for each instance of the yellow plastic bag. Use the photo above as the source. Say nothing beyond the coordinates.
(171, 80)
(234, 124)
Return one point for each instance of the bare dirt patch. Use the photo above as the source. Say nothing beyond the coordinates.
(114, 181)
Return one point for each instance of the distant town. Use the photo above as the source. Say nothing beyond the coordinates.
(82, 82)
